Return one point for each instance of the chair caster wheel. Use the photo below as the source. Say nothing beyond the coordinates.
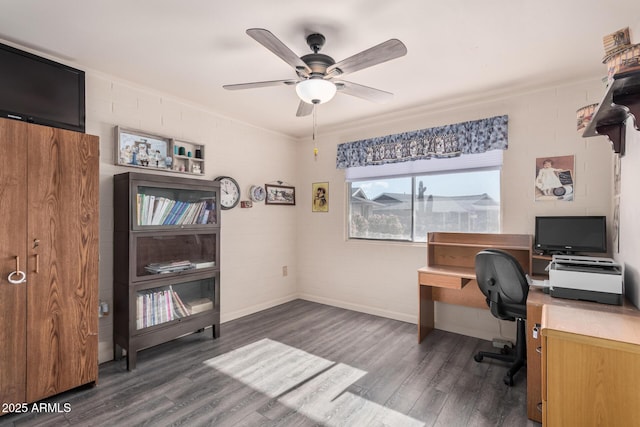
(508, 380)
(478, 358)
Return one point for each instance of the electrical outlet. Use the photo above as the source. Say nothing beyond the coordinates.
(285, 271)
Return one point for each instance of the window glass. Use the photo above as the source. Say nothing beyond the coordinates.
(381, 209)
(464, 201)
(408, 208)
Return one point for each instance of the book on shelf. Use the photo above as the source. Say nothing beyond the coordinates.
(147, 209)
(156, 306)
(168, 267)
(157, 210)
(138, 209)
(167, 209)
(199, 305)
(208, 213)
(175, 206)
(181, 309)
(203, 264)
(177, 214)
(186, 214)
(161, 205)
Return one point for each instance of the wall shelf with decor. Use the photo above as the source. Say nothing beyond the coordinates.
(621, 100)
(144, 150)
(166, 276)
(187, 157)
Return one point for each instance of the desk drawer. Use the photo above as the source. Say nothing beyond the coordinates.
(442, 281)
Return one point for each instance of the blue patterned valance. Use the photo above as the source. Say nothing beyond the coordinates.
(475, 136)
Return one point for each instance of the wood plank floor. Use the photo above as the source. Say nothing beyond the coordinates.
(385, 373)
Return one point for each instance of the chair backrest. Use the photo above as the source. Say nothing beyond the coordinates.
(503, 282)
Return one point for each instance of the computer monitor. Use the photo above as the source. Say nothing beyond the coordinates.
(571, 234)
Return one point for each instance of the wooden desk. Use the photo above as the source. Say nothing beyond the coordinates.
(450, 277)
(574, 327)
(450, 272)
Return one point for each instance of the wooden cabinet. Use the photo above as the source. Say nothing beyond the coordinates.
(592, 318)
(49, 230)
(535, 301)
(590, 367)
(166, 260)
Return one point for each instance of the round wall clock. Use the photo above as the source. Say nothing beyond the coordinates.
(229, 192)
(257, 193)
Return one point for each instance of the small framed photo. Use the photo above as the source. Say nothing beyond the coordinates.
(320, 195)
(141, 149)
(280, 195)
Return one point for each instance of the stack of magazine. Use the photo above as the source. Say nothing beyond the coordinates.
(169, 267)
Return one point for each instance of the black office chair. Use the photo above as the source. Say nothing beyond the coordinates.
(502, 281)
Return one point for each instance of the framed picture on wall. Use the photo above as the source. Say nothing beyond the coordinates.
(555, 178)
(320, 197)
(141, 149)
(280, 195)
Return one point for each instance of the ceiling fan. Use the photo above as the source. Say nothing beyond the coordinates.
(318, 75)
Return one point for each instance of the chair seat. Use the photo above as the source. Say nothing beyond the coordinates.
(504, 284)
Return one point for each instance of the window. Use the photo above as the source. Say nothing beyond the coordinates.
(407, 208)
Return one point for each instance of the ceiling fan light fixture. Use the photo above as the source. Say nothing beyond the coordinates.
(316, 90)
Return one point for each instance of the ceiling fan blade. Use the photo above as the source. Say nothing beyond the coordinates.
(304, 109)
(383, 52)
(271, 42)
(364, 92)
(252, 85)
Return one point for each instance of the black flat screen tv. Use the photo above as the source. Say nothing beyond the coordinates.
(38, 90)
(571, 234)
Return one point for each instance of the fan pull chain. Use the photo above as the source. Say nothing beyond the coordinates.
(315, 145)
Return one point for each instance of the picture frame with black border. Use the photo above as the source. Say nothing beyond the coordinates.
(280, 195)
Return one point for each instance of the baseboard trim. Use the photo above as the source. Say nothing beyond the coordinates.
(227, 317)
(360, 308)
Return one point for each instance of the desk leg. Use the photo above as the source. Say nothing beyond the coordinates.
(425, 311)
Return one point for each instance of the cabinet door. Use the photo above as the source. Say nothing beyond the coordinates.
(591, 381)
(13, 229)
(62, 245)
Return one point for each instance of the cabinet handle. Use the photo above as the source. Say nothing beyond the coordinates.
(539, 350)
(36, 243)
(539, 406)
(16, 277)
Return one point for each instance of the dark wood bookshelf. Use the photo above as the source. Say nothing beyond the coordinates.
(166, 260)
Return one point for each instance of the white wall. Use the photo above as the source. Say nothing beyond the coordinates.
(255, 242)
(629, 234)
(381, 278)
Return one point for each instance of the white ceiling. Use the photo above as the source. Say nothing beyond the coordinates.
(190, 48)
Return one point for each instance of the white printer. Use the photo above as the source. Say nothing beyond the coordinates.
(586, 278)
